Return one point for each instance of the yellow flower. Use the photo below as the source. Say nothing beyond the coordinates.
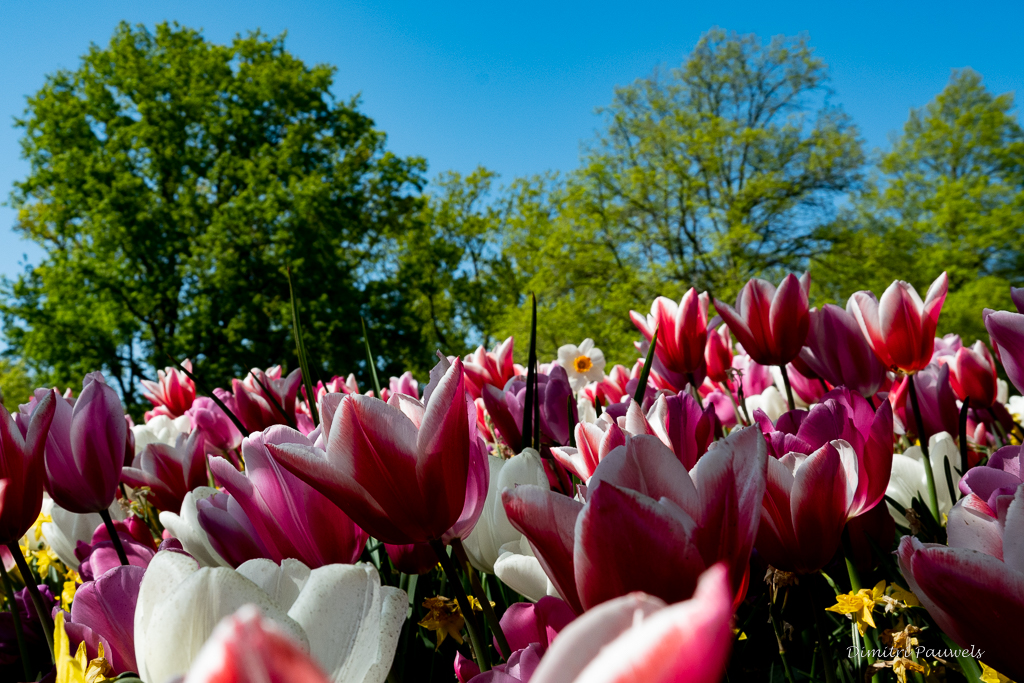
(37, 526)
(990, 675)
(70, 586)
(896, 598)
(475, 604)
(901, 665)
(77, 669)
(444, 618)
(859, 606)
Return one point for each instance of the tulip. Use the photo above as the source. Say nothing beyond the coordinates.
(170, 472)
(718, 355)
(99, 556)
(398, 469)
(405, 384)
(85, 448)
(908, 479)
(807, 390)
(755, 378)
(221, 435)
(612, 388)
(506, 408)
(172, 394)
(186, 528)
(265, 399)
(946, 348)
(161, 429)
(974, 588)
(489, 368)
(493, 529)
(22, 477)
(1000, 476)
(229, 530)
(340, 613)
(66, 529)
(900, 328)
(1006, 331)
(246, 647)
(637, 638)
(680, 522)
(106, 606)
(771, 324)
(291, 518)
(31, 625)
(836, 350)
(679, 422)
(936, 399)
(973, 375)
(593, 443)
(682, 330)
(412, 558)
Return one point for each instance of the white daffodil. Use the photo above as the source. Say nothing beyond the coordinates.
(582, 363)
(185, 527)
(339, 613)
(68, 528)
(908, 476)
(493, 530)
(160, 429)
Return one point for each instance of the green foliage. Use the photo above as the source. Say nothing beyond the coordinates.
(949, 196)
(15, 384)
(172, 183)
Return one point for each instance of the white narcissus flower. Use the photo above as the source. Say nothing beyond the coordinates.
(519, 569)
(908, 477)
(582, 363)
(68, 528)
(1016, 407)
(160, 429)
(493, 530)
(185, 527)
(339, 613)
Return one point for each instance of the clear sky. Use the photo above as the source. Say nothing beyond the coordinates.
(514, 86)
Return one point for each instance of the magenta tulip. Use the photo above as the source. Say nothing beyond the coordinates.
(171, 394)
(771, 324)
(900, 328)
(506, 408)
(936, 399)
(1006, 330)
(412, 558)
(837, 351)
(291, 518)
(718, 354)
(489, 368)
(679, 522)
(221, 435)
(107, 607)
(85, 448)
(639, 639)
(266, 399)
(682, 330)
(593, 442)
(680, 423)
(974, 587)
(169, 471)
(230, 531)
(973, 375)
(399, 469)
(22, 474)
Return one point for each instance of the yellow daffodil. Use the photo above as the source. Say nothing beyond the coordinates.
(72, 579)
(859, 606)
(45, 559)
(444, 618)
(990, 675)
(77, 669)
(475, 604)
(901, 665)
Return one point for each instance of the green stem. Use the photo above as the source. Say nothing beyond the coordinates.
(478, 593)
(18, 633)
(869, 638)
(929, 475)
(693, 388)
(115, 539)
(826, 653)
(789, 389)
(963, 436)
(467, 610)
(782, 648)
(35, 596)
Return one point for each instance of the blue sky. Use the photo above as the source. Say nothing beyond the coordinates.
(514, 86)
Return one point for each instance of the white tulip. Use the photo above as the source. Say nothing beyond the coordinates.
(520, 570)
(339, 613)
(770, 401)
(160, 429)
(185, 527)
(493, 530)
(68, 528)
(908, 476)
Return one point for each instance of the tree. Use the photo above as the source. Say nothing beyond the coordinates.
(949, 196)
(705, 176)
(173, 182)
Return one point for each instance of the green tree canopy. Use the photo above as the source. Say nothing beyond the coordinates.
(949, 196)
(172, 183)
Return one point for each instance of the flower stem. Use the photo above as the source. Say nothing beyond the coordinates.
(115, 540)
(460, 596)
(826, 653)
(478, 593)
(789, 389)
(693, 388)
(929, 475)
(963, 435)
(34, 595)
(18, 633)
(869, 638)
(782, 648)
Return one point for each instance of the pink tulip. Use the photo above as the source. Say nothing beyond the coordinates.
(973, 374)
(85, 448)
(680, 522)
(172, 394)
(489, 368)
(291, 518)
(946, 348)
(22, 474)
(812, 494)
(901, 328)
(679, 423)
(682, 330)
(506, 408)
(612, 388)
(593, 442)
(837, 351)
(405, 384)
(261, 398)
(1006, 331)
(807, 389)
(637, 638)
(106, 606)
(170, 472)
(398, 469)
(718, 354)
(770, 324)
(974, 588)
(936, 398)
(754, 377)
(412, 558)
(245, 648)
(230, 531)
(99, 556)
